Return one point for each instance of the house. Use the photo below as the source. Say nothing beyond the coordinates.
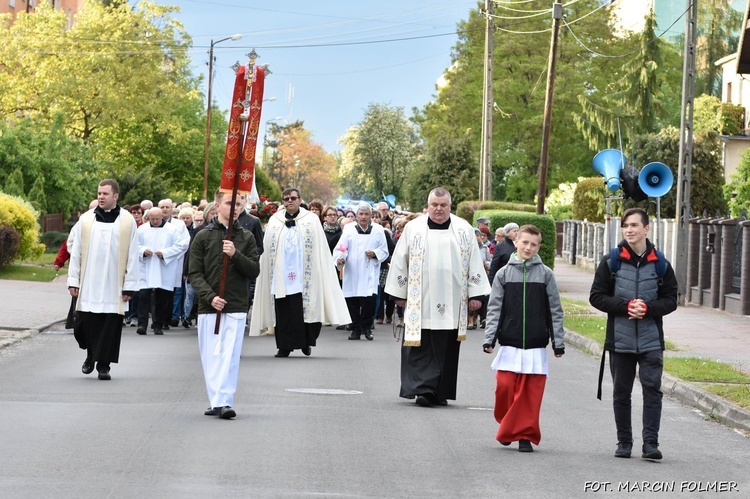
(16, 7)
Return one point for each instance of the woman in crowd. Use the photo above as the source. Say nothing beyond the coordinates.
(331, 227)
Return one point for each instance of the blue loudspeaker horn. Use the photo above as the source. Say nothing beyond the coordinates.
(655, 179)
(608, 164)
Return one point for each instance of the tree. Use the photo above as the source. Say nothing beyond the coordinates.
(718, 28)
(521, 53)
(120, 79)
(65, 164)
(707, 174)
(14, 184)
(300, 162)
(631, 103)
(447, 163)
(382, 149)
(36, 195)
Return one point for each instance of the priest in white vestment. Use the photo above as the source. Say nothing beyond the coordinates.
(161, 249)
(297, 290)
(359, 252)
(103, 275)
(436, 273)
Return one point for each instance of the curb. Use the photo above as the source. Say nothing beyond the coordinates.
(686, 393)
(10, 338)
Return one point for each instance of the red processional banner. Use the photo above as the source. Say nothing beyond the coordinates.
(248, 86)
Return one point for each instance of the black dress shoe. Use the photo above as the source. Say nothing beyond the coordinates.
(282, 353)
(105, 376)
(212, 411)
(307, 351)
(423, 401)
(174, 323)
(165, 327)
(227, 412)
(525, 446)
(354, 336)
(140, 330)
(158, 331)
(88, 366)
(341, 327)
(368, 334)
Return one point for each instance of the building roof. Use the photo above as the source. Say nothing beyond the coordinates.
(743, 50)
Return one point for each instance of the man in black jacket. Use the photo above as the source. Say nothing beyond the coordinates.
(220, 353)
(635, 294)
(503, 251)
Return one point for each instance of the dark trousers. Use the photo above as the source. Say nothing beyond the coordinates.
(162, 307)
(650, 367)
(362, 311)
(292, 332)
(431, 368)
(386, 304)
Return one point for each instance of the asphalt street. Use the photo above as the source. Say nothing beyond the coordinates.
(143, 434)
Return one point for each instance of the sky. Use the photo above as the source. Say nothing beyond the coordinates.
(329, 58)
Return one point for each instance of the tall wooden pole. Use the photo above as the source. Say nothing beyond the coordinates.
(207, 144)
(686, 151)
(546, 129)
(485, 166)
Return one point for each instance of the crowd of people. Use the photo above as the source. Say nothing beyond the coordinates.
(314, 265)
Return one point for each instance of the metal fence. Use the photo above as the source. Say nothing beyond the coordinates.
(718, 255)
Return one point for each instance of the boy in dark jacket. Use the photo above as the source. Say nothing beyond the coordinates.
(523, 313)
(635, 298)
(220, 353)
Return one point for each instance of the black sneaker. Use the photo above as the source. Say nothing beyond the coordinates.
(624, 449)
(651, 451)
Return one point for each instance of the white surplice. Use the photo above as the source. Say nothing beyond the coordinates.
(111, 262)
(361, 273)
(436, 272)
(156, 272)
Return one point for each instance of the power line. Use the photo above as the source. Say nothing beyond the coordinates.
(653, 40)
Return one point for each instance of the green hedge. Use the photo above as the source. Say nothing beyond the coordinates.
(546, 224)
(466, 209)
(589, 199)
(53, 240)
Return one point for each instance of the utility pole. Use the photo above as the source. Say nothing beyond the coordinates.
(686, 150)
(547, 127)
(207, 140)
(485, 165)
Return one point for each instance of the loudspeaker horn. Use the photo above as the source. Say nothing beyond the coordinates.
(655, 179)
(608, 164)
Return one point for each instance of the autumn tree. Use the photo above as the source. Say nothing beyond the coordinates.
(300, 162)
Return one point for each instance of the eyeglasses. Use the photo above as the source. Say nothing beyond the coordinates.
(290, 198)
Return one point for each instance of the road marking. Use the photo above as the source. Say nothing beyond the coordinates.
(479, 408)
(323, 391)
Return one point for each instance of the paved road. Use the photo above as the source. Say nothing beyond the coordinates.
(144, 434)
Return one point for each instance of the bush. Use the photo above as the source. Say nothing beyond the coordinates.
(466, 209)
(588, 199)
(9, 244)
(19, 214)
(53, 240)
(732, 119)
(546, 224)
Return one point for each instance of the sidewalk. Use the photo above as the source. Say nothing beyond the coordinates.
(696, 331)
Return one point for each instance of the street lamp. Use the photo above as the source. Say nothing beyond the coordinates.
(208, 109)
